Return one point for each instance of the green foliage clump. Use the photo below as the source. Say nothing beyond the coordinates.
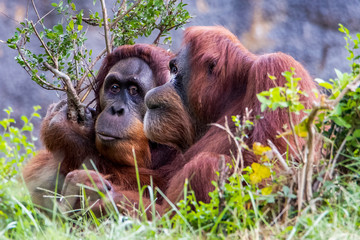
(344, 119)
(283, 97)
(64, 44)
(16, 146)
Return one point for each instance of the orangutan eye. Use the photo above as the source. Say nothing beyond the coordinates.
(115, 88)
(133, 90)
(173, 67)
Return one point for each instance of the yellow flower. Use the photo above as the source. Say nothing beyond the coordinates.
(300, 130)
(266, 190)
(260, 149)
(260, 172)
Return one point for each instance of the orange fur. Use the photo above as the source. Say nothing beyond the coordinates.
(69, 145)
(224, 80)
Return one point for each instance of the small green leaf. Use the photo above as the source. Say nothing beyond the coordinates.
(73, 7)
(36, 115)
(71, 25)
(356, 133)
(338, 74)
(24, 119)
(263, 99)
(58, 29)
(341, 122)
(326, 85)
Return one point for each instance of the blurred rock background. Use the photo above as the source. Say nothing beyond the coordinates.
(305, 29)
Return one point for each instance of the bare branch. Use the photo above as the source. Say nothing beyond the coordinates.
(36, 11)
(73, 98)
(7, 16)
(44, 16)
(106, 27)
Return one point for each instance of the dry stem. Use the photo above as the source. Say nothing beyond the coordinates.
(277, 153)
(292, 127)
(222, 179)
(106, 27)
(333, 163)
(36, 11)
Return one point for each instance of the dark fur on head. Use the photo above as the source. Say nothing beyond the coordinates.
(155, 57)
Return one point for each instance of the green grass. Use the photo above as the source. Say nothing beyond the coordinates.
(337, 220)
(256, 203)
(336, 216)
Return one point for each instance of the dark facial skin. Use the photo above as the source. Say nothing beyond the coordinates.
(167, 119)
(119, 125)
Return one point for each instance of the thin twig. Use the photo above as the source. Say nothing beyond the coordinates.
(36, 11)
(301, 186)
(7, 16)
(89, 69)
(44, 45)
(44, 16)
(332, 168)
(75, 59)
(86, 93)
(116, 20)
(157, 39)
(223, 175)
(50, 86)
(292, 127)
(122, 7)
(106, 26)
(277, 153)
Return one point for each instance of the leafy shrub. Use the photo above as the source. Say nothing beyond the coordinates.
(16, 146)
